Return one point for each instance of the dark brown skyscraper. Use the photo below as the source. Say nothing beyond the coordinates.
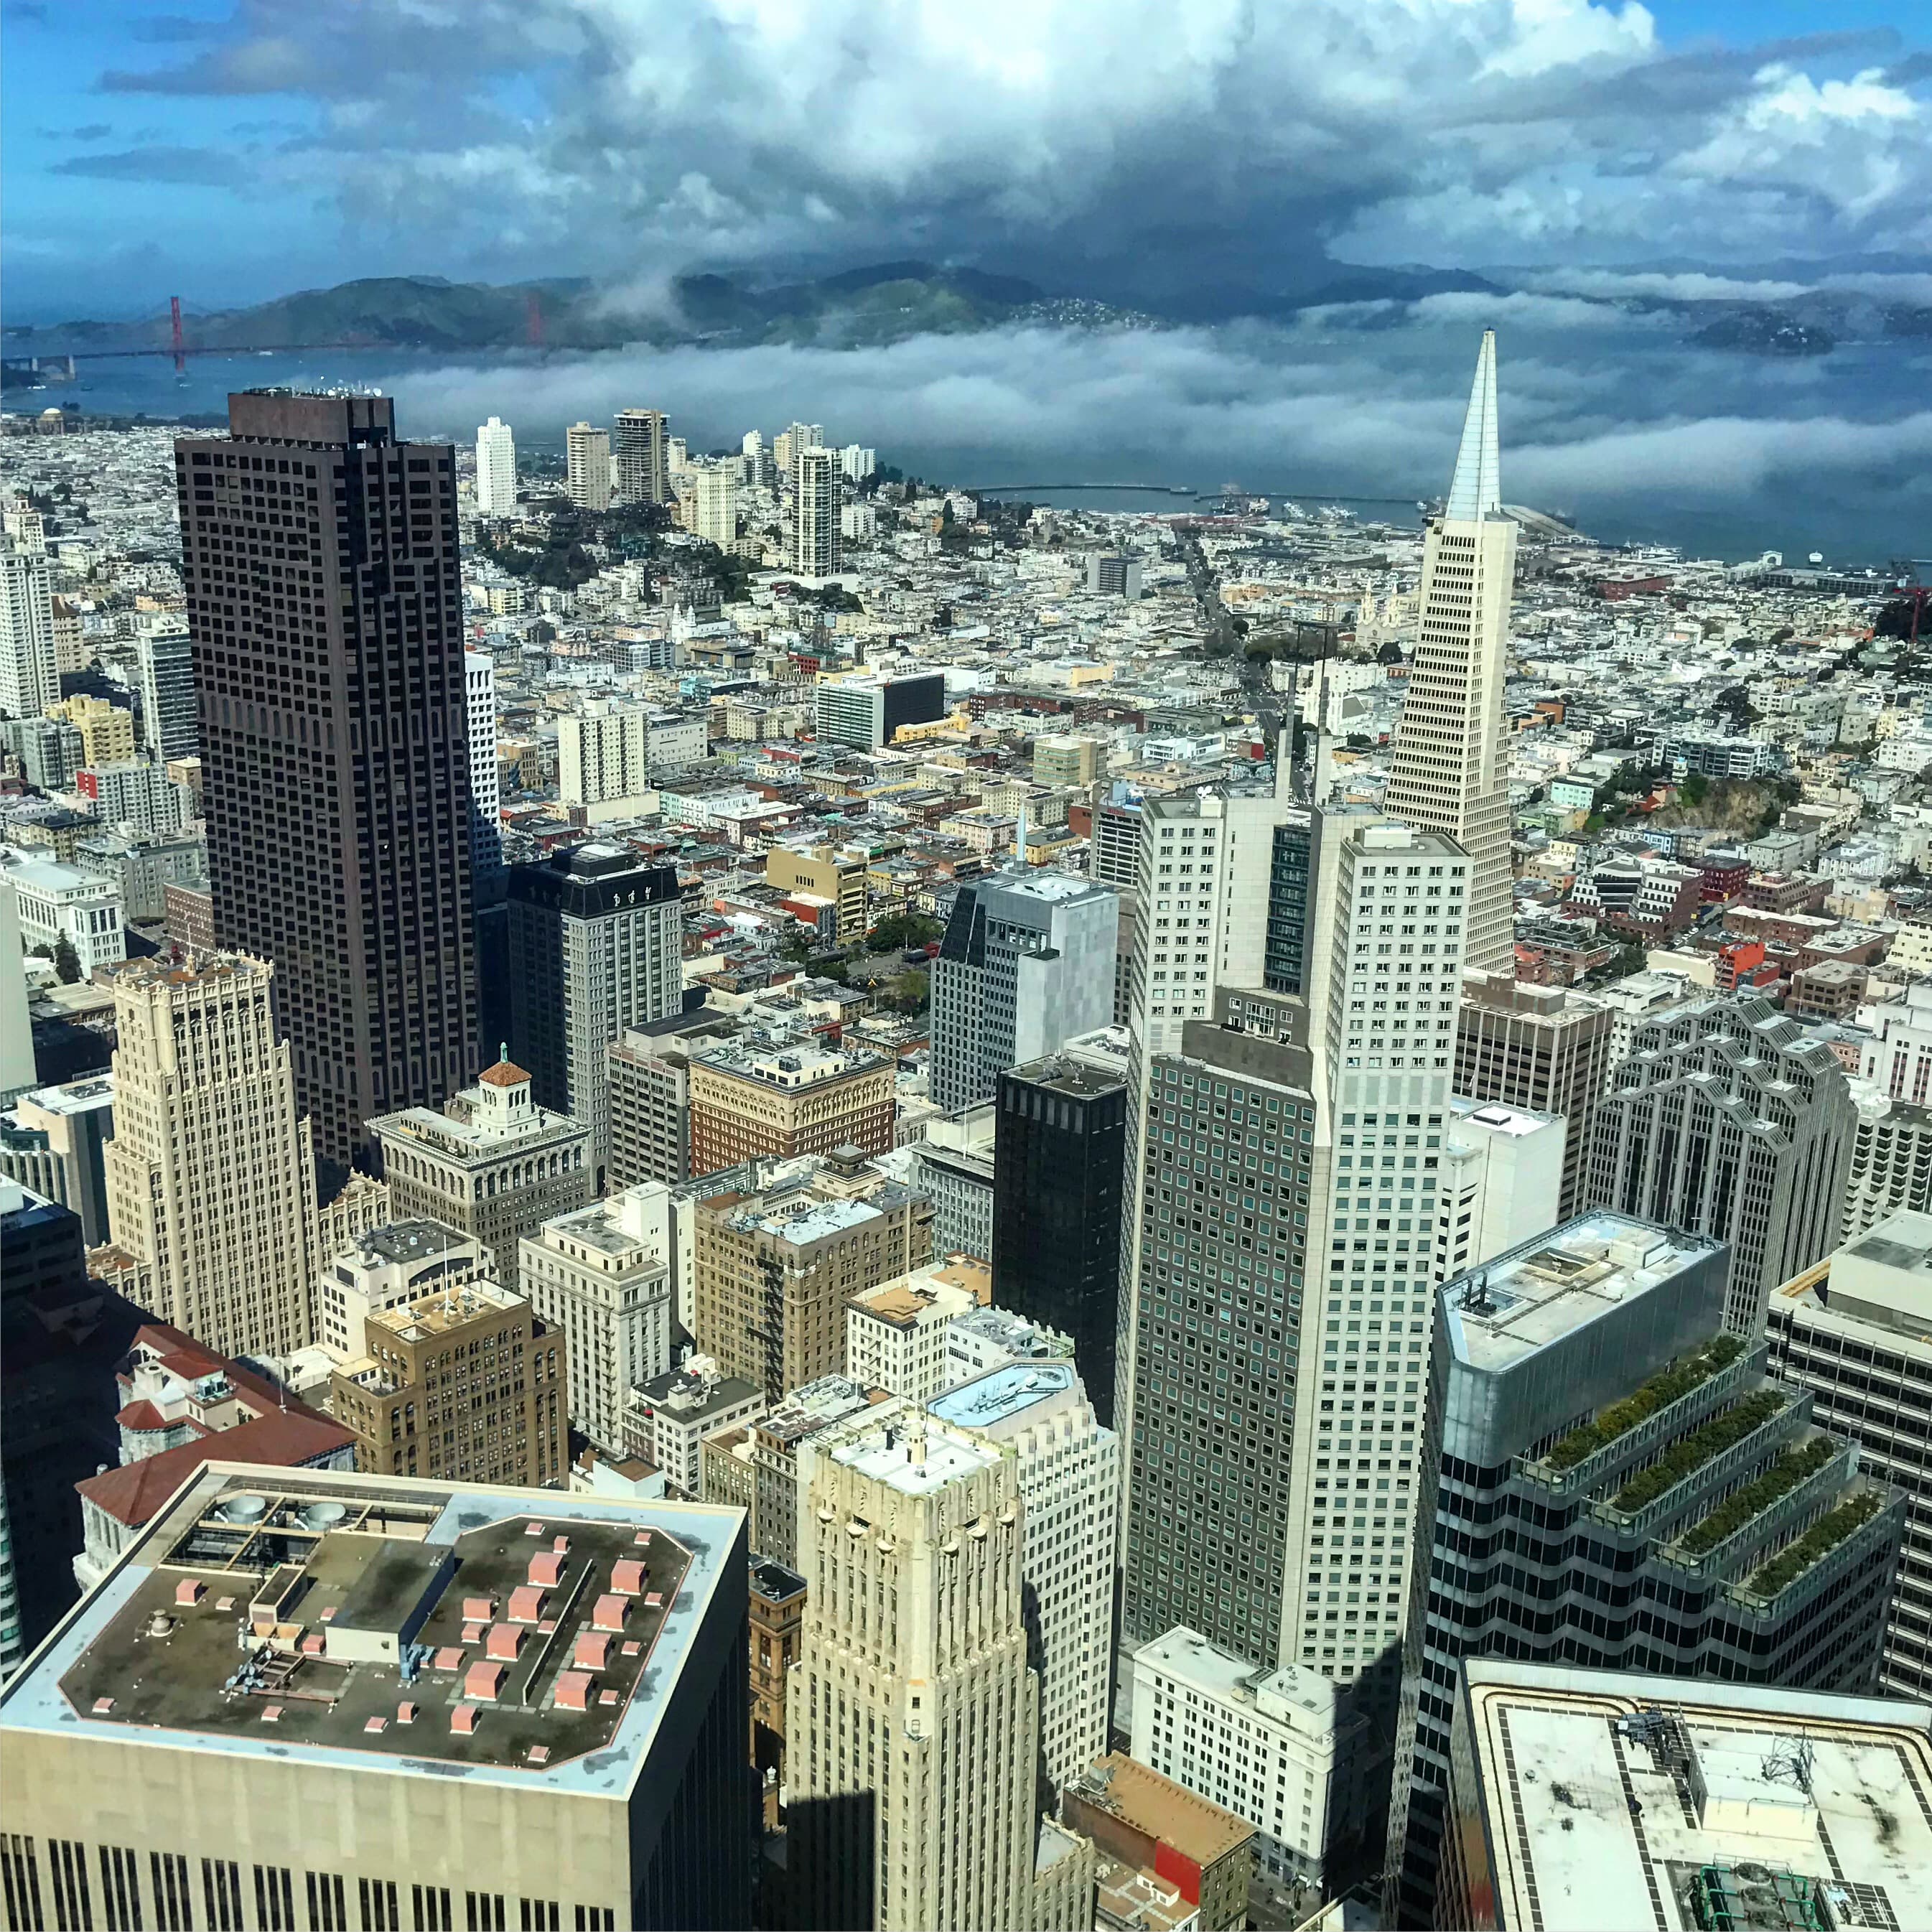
(319, 558)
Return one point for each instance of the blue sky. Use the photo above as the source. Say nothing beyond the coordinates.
(229, 152)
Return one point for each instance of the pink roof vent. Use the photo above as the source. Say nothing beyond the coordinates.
(547, 1568)
(327, 1615)
(627, 1576)
(190, 1590)
(405, 1713)
(631, 1649)
(313, 1644)
(450, 1658)
(272, 1714)
(573, 1691)
(483, 1680)
(561, 1545)
(473, 1632)
(463, 1720)
(478, 1610)
(538, 1753)
(611, 1612)
(593, 1650)
(642, 1539)
(533, 1529)
(505, 1640)
(653, 1599)
(102, 1705)
(377, 1724)
(527, 1604)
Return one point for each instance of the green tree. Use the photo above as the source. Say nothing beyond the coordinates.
(66, 961)
(898, 930)
(907, 992)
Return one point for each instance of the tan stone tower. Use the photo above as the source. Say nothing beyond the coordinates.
(912, 1724)
(1449, 772)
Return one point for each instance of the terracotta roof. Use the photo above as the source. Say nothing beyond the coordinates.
(143, 1415)
(505, 1073)
(132, 1494)
(182, 1355)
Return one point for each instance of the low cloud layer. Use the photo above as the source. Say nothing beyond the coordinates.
(1623, 424)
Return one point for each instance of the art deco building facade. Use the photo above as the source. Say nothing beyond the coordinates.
(319, 555)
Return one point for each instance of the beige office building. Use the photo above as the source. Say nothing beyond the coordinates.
(493, 1164)
(107, 731)
(383, 1267)
(587, 466)
(774, 1266)
(211, 1173)
(1064, 760)
(465, 1383)
(751, 1097)
(714, 504)
(913, 1720)
(827, 874)
(328, 1700)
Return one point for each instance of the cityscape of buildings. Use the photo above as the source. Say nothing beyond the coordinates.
(733, 1191)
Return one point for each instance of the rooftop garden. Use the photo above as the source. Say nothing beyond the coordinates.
(1820, 1539)
(1659, 1392)
(1685, 1458)
(1784, 1475)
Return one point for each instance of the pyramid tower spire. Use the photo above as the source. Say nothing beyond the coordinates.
(1476, 491)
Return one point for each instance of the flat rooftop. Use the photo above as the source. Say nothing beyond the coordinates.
(1187, 1654)
(407, 1241)
(1507, 1309)
(339, 1619)
(1006, 1395)
(915, 1462)
(1883, 1278)
(1608, 1794)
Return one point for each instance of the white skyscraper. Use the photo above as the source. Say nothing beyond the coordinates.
(169, 728)
(714, 512)
(1448, 773)
(815, 498)
(28, 683)
(496, 469)
(587, 466)
(486, 832)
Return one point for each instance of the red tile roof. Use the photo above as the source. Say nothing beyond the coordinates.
(133, 1493)
(505, 1073)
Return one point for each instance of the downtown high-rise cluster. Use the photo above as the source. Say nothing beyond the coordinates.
(701, 1293)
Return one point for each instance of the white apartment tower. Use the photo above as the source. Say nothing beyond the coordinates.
(496, 469)
(486, 830)
(1069, 1468)
(913, 1717)
(27, 681)
(715, 504)
(587, 466)
(211, 1176)
(815, 500)
(1449, 773)
(639, 457)
(603, 754)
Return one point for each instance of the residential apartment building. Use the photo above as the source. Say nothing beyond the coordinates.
(668, 1419)
(493, 1164)
(1612, 1480)
(638, 457)
(1853, 1331)
(496, 469)
(775, 1263)
(587, 466)
(1891, 1166)
(169, 728)
(827, 873)
(600, 1277)
(594, 948)
(864, 709)
(29, 680)
(434, 1792)
(464, 1384)
(106, 730)
(760, 1096)
(1026, 963)
(1729, 1120)
(816, 492)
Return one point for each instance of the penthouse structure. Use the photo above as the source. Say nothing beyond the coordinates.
(424, 1688)
(493, 1164)
(387, 1266)
(760, 1096)
(1612, 1480)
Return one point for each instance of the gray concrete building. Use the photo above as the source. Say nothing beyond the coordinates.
(1729, 1120)
(649, 1077)
(1028, 961)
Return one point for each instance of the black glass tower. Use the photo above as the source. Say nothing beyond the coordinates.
(1057, 1178)
(319, 555)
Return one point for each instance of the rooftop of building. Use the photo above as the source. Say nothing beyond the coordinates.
(1302, 1699)
(190, 969)
(795, 1063)
(1881, 1279)
(1010, 1396)
(445, 1310)
(1076, 1076)
(697, 1389)
(1014, 1332)
(1194, 1826)
(806, 1410)
(909, 1457)
(330, 1619)
(956, 1284)
(1493, 1117)
(774, 1582)
(400, 1243)
(1770, 1809)
(1505, 1310)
